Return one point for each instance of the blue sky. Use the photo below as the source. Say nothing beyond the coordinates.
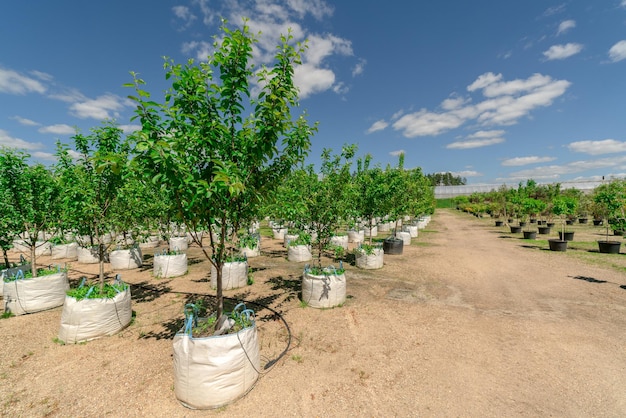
(495, 91)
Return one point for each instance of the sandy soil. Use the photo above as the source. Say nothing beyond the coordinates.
(469, 321)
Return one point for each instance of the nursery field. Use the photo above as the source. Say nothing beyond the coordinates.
(470, 320)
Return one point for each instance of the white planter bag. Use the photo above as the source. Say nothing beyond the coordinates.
(299, 253)
(279, 233)
(413, 230)
(88, 255)
(23, 296)
(374, 231)
(126, 259)
(234, 275)
(405, 237)
(169, 265)
(288, 238)
(340, 240)
(211, 372)
(65, 251)
(370, 262)
(150, 242)
(356, 236)
(12, 272)
(384, 227)
(178, 244)
(88, 319)
(42, 248)
(251, 252)
(324, 291)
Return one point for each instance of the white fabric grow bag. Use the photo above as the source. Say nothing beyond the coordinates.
(214, 371)
(126, 259)
(150, 242)
(12, 272)
(88, 319)
(234, 275)
(374, 231)
(279, 233)
(65, 251)
(298, 253)
(23, 296)
(404, 236)
(169, 265)
(384, 226)
(356, 236)
(413, 230)
(178, 243)
(370, 262)
(288, 238)
(88, 255)
(324, 291)
(340, 240)
(251, 252)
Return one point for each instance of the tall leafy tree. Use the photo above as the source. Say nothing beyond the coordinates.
(92, 183)
(219, 151)
(32, 192)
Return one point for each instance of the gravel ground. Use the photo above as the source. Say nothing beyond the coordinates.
(469, 321)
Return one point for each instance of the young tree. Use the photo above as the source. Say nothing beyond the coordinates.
(32, 192)
(371, 191)
(218, 162)
(92, 183)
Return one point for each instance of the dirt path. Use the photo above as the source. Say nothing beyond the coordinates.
(467, 322)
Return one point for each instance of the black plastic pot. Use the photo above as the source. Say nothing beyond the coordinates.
(530, 234)
(618, 232)
(522, 223)
(550, 224)
(516, 229)
(567, 236)
(533, 221)
(609, 247)
(544, 230)
(557, 245)
(393, 246)
(597, 222)
(582, 220)
(499, 223)
(569, 222)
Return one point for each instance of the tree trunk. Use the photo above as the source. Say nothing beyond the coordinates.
(101, 263)
(6, 258)
(33, 249)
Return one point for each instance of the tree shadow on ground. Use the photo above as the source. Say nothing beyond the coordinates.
(148, 292)
(275, 253)
(588, 279)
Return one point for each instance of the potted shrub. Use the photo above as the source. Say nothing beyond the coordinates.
(323, 288)
(250, 245)
(169, 263)
(220, 165)
(95, 311)
(368, 256)
(610, 199)
(299, 250)
(25, 293)
(562, 206)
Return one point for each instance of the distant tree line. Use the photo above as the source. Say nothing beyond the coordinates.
(446, 179)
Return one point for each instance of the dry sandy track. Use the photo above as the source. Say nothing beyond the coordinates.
(467, 322)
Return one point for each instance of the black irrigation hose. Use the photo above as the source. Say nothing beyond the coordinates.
(276, 313)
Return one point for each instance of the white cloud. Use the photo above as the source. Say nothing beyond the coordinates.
(397, 153)
(618, 51)
(467, 173)
(519, 161)
(486, 134)
(68, 95)
(560, 52)
(103, 107)
(556, 171)
(273, 18)
(59, 129)
(424, 123)
(11, 142)
(623, 3)
(377, 126)
(506, 102)
(359, 68)
(13, 82)
(44, 156)
(311, 79)
(474, 143)
(554, 10)
(24, 121)
(606, 146)
(127, 129)
(565, 26)
(318, 8)
(184, 13)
